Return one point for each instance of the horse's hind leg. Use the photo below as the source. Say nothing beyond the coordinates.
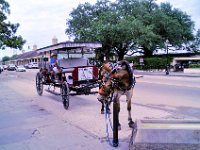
(119, 125)
(130, 121)
(102, 108)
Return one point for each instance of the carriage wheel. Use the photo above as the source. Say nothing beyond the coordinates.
(65, 95)
(39, 84)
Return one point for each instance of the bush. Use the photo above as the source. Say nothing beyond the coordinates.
(194, 65)
(151, 62)
(155, 61)
(135, 60)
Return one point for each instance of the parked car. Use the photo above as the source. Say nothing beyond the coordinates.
(33, 65)
(20, 68)
(5, 67)
(178, 67)
(1, 68)
(26, 66)
(11, 67)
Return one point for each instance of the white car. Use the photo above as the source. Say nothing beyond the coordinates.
(1, 68)
(33, 65)
(20, 68)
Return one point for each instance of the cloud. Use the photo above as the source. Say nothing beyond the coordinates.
(191, 7)
(41, 20)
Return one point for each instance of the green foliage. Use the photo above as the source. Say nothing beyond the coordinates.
(150, 62)
(195, 45)
(134, 60)
(8, 30)
(5, 58)
(13, 56)
(157, 61)
(194, 65)
(127, 25)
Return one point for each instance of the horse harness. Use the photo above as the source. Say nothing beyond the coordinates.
(116, 82)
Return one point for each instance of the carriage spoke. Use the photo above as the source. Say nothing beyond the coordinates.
(39, 84)
(65, 95)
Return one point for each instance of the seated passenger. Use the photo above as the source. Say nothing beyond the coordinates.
(53, 60)
(54, 67)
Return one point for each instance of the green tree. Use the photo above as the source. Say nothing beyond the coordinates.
(8, 30)
(130, 25)
(5, 58)
(195, 46)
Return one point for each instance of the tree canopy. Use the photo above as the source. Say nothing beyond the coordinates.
(8, 37)
(130, 26)
(5, 58)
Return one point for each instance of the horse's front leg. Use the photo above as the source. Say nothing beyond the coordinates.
(106, 104)
(102, 105)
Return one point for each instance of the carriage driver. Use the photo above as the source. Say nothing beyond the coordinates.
(54, 68)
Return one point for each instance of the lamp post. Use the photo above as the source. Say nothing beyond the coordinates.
(167, 66)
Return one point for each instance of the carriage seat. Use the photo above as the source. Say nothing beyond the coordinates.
(73, 62)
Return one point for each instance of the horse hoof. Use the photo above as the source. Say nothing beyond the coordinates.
(102, 111)
(131, 124)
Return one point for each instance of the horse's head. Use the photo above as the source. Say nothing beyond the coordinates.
(105, 82)
(113, 77)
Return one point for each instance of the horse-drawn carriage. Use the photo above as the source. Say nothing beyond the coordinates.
(78, 75)
(75, 72)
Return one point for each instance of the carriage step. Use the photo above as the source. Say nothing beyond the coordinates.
(52, 92)
(166, 135)
(74, 94)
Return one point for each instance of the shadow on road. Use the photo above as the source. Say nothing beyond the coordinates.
(180, 112)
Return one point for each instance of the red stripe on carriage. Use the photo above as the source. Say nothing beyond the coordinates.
(95, 72)
(75, 74)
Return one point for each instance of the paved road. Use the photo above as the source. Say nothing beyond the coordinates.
(180, 96)
(31, 122)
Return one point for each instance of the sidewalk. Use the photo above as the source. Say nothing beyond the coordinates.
(160, 73)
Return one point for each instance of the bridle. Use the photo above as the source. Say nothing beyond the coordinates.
(108, 76)
(115, 67)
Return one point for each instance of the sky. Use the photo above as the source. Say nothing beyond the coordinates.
(42, 20)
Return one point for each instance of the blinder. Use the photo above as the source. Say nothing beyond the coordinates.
(115, 67)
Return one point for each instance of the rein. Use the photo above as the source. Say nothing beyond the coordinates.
(108, 120)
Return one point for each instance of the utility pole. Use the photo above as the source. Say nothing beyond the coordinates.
(167, 49)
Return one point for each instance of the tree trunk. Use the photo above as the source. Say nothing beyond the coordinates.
(147, 52)
(121, 55)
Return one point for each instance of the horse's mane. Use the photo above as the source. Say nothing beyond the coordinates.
(130, 72)
(111, 67)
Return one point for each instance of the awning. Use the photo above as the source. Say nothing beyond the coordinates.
(66, 46)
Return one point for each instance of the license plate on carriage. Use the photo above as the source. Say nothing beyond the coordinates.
(85, 73)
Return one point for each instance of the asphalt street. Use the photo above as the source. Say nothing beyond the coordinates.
(29, 121)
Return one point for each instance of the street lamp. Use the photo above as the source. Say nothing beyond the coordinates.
(167, 66)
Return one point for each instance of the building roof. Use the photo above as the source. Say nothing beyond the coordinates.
(69, 46)
(27, 55)
(188, 58)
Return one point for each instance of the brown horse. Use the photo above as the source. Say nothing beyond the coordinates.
(117, 79)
